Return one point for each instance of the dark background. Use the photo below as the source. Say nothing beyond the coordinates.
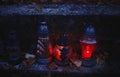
(106, 27)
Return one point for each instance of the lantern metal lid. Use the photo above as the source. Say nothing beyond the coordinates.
(43, 30)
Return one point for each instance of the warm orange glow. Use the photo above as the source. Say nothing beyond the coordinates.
(50, 48)
(57, 52)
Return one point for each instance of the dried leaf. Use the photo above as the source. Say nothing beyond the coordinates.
(38, 7)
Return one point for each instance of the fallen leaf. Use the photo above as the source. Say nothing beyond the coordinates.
(38, 7)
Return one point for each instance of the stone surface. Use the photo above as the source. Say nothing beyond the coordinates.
(97, 69)
(59, 9)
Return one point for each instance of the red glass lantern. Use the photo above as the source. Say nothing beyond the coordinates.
(87, 49)
(88, 43)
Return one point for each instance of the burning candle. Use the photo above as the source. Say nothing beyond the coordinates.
(88, 43)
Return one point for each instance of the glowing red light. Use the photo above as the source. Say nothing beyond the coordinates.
(50, 48)
(87, 50)
(57, 52)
